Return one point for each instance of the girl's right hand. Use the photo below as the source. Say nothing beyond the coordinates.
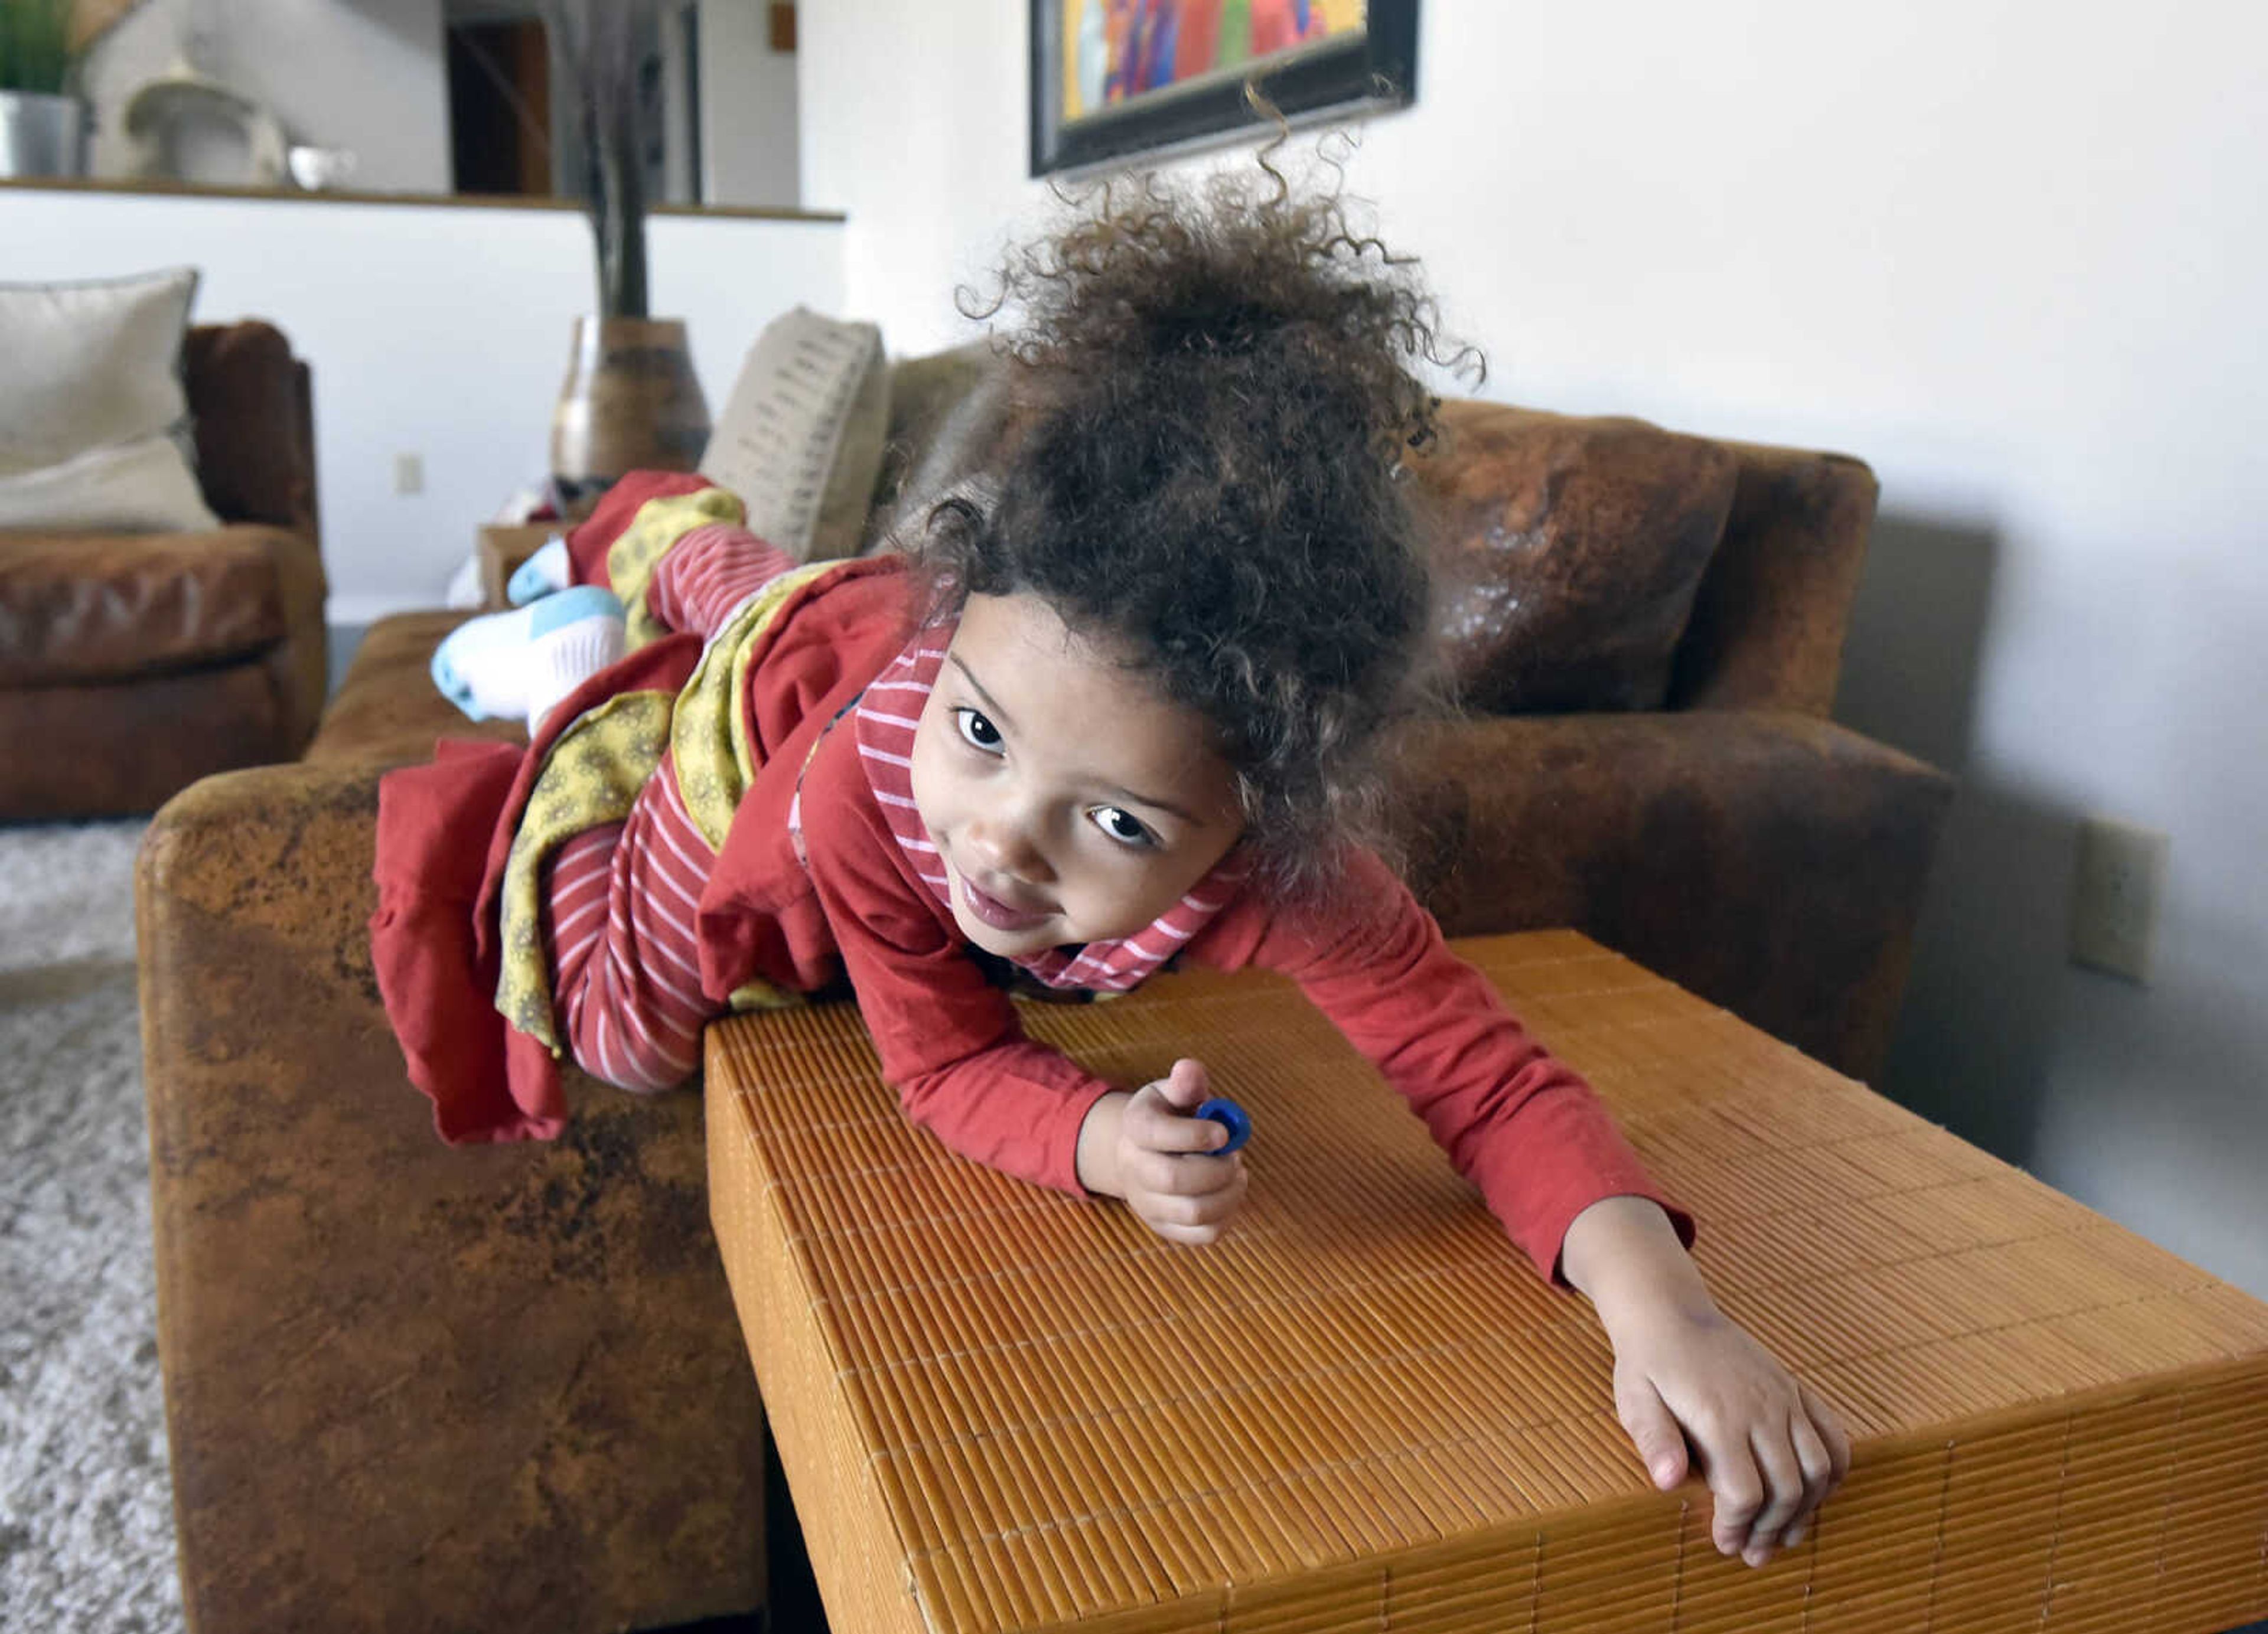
(1152, 1150)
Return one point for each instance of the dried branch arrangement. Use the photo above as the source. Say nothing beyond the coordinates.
(595, 50)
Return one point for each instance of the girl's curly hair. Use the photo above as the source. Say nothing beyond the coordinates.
(1215, 398)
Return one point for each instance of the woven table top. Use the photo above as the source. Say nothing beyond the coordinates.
(1001, 1408)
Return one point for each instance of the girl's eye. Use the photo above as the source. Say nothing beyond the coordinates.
(977, 732)
(1122, 827)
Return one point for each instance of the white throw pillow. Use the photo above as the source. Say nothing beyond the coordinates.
(801, 437)
(143, 486)
(91, 365)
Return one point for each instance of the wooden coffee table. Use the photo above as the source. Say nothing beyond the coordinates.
(999, 1409)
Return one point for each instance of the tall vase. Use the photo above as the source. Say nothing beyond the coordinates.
(631, 402)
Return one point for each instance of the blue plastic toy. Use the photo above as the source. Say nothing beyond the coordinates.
(1230, 1117)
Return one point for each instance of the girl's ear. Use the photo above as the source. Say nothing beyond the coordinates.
(954, 519)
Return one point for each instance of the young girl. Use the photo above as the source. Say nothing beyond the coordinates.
(1118, 716)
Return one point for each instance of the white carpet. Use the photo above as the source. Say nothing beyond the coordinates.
(86, 1523)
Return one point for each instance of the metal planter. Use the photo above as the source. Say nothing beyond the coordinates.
(43, 134)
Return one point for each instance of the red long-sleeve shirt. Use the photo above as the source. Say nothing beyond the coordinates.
(1516, 1121)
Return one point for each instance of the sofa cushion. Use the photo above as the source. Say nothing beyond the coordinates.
(1566, 553)
(388, 711)
(1771, 862)
(74, 609)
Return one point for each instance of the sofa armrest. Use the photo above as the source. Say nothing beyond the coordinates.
(410, 1385)
(1771, 863)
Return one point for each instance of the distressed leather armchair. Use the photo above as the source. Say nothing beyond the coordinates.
(131, 664)
(415, 1387)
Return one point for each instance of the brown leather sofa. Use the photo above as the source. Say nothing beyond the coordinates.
(132, 664)
(412, 1387)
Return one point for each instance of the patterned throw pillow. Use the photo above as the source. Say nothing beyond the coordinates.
(801, 439)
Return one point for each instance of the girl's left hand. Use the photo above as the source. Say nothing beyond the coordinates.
(1770, 1450)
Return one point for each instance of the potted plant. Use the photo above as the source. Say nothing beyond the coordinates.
(42, 123)
(632, 400)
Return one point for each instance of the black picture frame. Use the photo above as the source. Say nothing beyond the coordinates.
(1369, 71)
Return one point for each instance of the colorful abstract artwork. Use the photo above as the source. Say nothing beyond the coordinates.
(1113, 78)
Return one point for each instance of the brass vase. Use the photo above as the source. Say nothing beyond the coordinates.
(631, 402)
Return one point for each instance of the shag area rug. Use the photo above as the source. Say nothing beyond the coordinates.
(87, 1521)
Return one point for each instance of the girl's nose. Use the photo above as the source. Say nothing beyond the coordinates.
(1005, 845)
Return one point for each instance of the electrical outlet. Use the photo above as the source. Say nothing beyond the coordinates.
(409, 474)
(2116, 895)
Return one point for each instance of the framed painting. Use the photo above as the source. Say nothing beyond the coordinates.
(1113, 78)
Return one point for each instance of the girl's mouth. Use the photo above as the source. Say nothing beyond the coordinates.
(995, 912)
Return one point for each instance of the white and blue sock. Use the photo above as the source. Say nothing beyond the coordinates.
(543, 574)
(515, 665)
(564, 656)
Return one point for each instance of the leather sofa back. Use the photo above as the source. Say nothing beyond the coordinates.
(1565, 554)
(249, 403)
(1769, 620)
(1581, 564)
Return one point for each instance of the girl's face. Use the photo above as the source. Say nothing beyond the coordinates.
(1068, 801)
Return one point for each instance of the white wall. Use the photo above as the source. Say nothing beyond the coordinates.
(2013, 253)
(748, 115)
(368, 75)
(371, 76)
(438, 330)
